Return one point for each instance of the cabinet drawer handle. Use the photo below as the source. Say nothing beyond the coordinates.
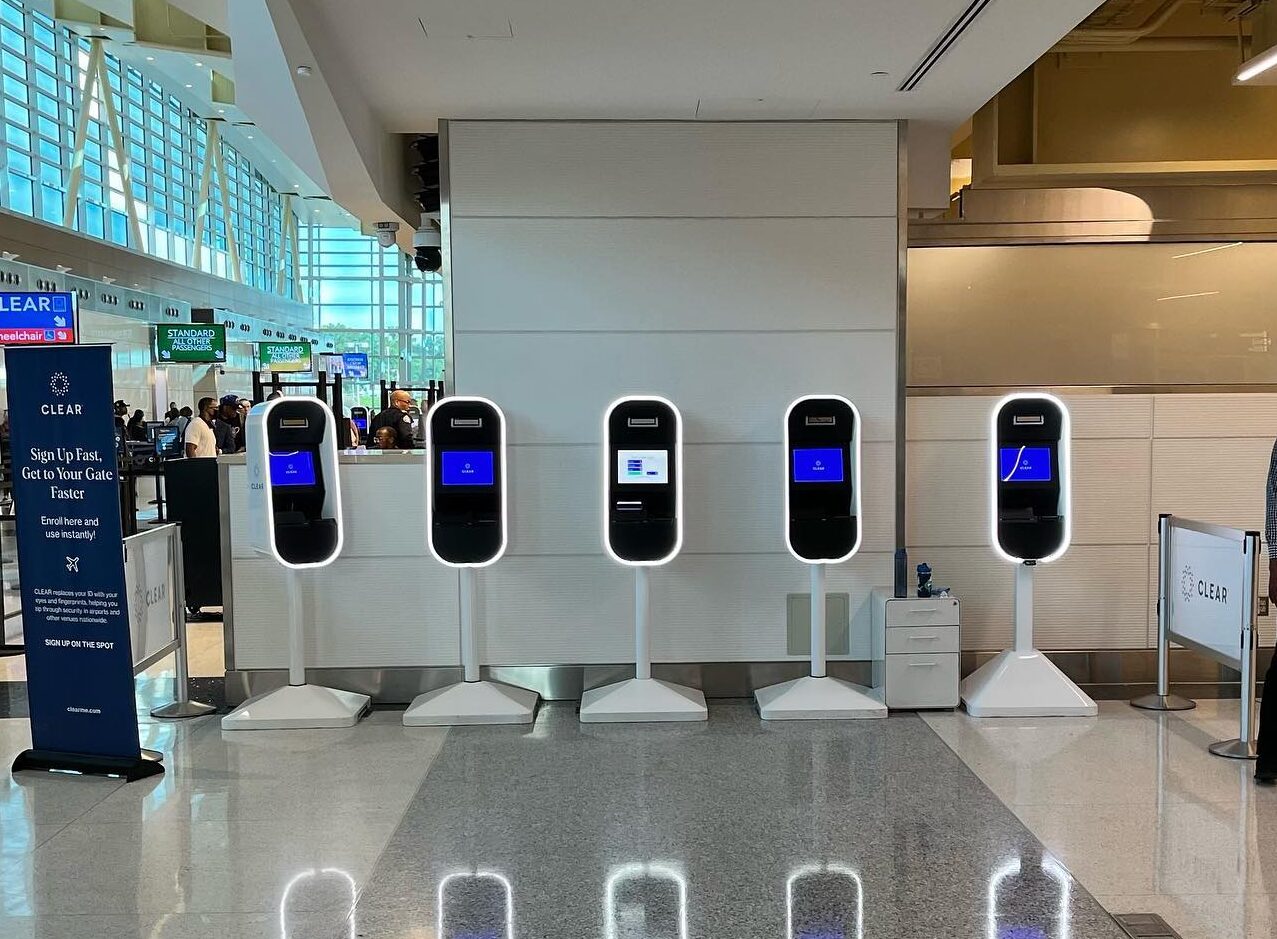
(923, 664)
(924, 638)
(919, 611)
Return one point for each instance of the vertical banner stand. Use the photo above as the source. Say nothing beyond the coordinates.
(298, 705)
(1022, 682)
(642, 698)
(473, 700)
(1162, 699)
(817, 696)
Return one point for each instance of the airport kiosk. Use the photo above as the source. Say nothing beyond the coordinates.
(294, 516)
(822, 527)
(466, 529)
(642, 529)
(1030, 520)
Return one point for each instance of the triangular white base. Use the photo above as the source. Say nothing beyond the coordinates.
(298, 707)
(1023, 684)
(642, 699)
(472, 702)
(816, 699)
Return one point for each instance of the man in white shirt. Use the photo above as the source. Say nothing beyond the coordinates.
(199, 439)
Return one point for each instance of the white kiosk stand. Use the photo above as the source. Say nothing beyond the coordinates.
(466, 528)
(1031, 508)
(822, 526)
(294, 513)
(642, 529)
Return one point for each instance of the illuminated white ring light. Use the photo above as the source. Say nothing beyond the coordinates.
(430, 481)
(1012, 868)
(854, 469)
(608, 470)
(1065, 458)
(332, 488)
(479, 875)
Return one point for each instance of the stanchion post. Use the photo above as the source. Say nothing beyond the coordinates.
(1244, 746)
(183, 707)
(469, 639)
(1162, 699)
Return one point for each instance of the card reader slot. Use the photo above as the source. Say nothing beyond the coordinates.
(820, 420)
(467, 422)
(643, 422)
(1031, 419)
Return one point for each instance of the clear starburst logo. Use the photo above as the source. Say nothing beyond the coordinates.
(59, 384)
(1187, 582)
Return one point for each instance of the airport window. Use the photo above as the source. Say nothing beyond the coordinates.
(42, 71)
(373, 300)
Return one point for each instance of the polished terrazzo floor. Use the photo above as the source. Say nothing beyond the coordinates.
(733, 829)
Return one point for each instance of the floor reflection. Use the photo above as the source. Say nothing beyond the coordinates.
(824, 902)
(478, 905)
(312, 883)
(1030, 901)
(645, 901)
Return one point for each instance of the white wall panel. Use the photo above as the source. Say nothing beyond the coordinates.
(1095, 597)
(966, 417)
(1213, 416)
(705, 608)
(718, 170)
(1220, 481)
(730, 387)
(361, 612)
(675, 274)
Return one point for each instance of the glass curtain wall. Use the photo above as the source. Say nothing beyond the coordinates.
(43, 69)
(372, 299)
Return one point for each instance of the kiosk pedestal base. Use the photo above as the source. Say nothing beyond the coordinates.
(472, 702)
(1023, 684)
(642, 699)
(298, 707)
(815, 699)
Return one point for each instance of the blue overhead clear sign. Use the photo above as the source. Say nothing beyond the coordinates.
(355, 364)
(38, 319)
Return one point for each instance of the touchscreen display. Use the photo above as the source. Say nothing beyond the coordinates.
(292, 469)
(643, 467)
(818, 465)
(1024, 464)
(361, 423)
(466, 467)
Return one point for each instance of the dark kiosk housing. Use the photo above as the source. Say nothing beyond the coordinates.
(642, 505)
(467, 517)
(306, 530)
(1031, 486)
(822, 479)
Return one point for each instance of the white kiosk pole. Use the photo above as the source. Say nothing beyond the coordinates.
(818, 642)
(642, 480)
(1030, 502)
(822, 526)
(291, 463)
(466, 461)
(642, 624)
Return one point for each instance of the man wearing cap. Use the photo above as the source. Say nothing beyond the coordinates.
(396, 418)
(227, 427)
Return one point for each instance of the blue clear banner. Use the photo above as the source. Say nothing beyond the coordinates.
(70, 558)
(355, 365)
(38, 318)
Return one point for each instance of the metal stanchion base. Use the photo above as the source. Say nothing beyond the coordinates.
(1235, 749)
(1163, 702)
(181, 710)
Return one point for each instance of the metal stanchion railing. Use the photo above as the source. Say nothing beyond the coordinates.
(183, 707)
(1162, 699)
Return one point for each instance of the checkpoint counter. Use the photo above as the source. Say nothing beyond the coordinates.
(384, 602)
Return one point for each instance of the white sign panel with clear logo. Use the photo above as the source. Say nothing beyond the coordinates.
(1207, 595)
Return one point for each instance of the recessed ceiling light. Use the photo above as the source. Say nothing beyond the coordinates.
(249, 136)
(297, 185)
(199, 64)
(189, 85)
(150, 58)
(879, 74)
(303, 70)
(221, 110)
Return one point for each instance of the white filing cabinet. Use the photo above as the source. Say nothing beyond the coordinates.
(915, 650)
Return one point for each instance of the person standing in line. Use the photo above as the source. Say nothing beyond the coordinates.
(227, 427)
(396, 417)
(1266, 765)
(136, 427)
(200, 440)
